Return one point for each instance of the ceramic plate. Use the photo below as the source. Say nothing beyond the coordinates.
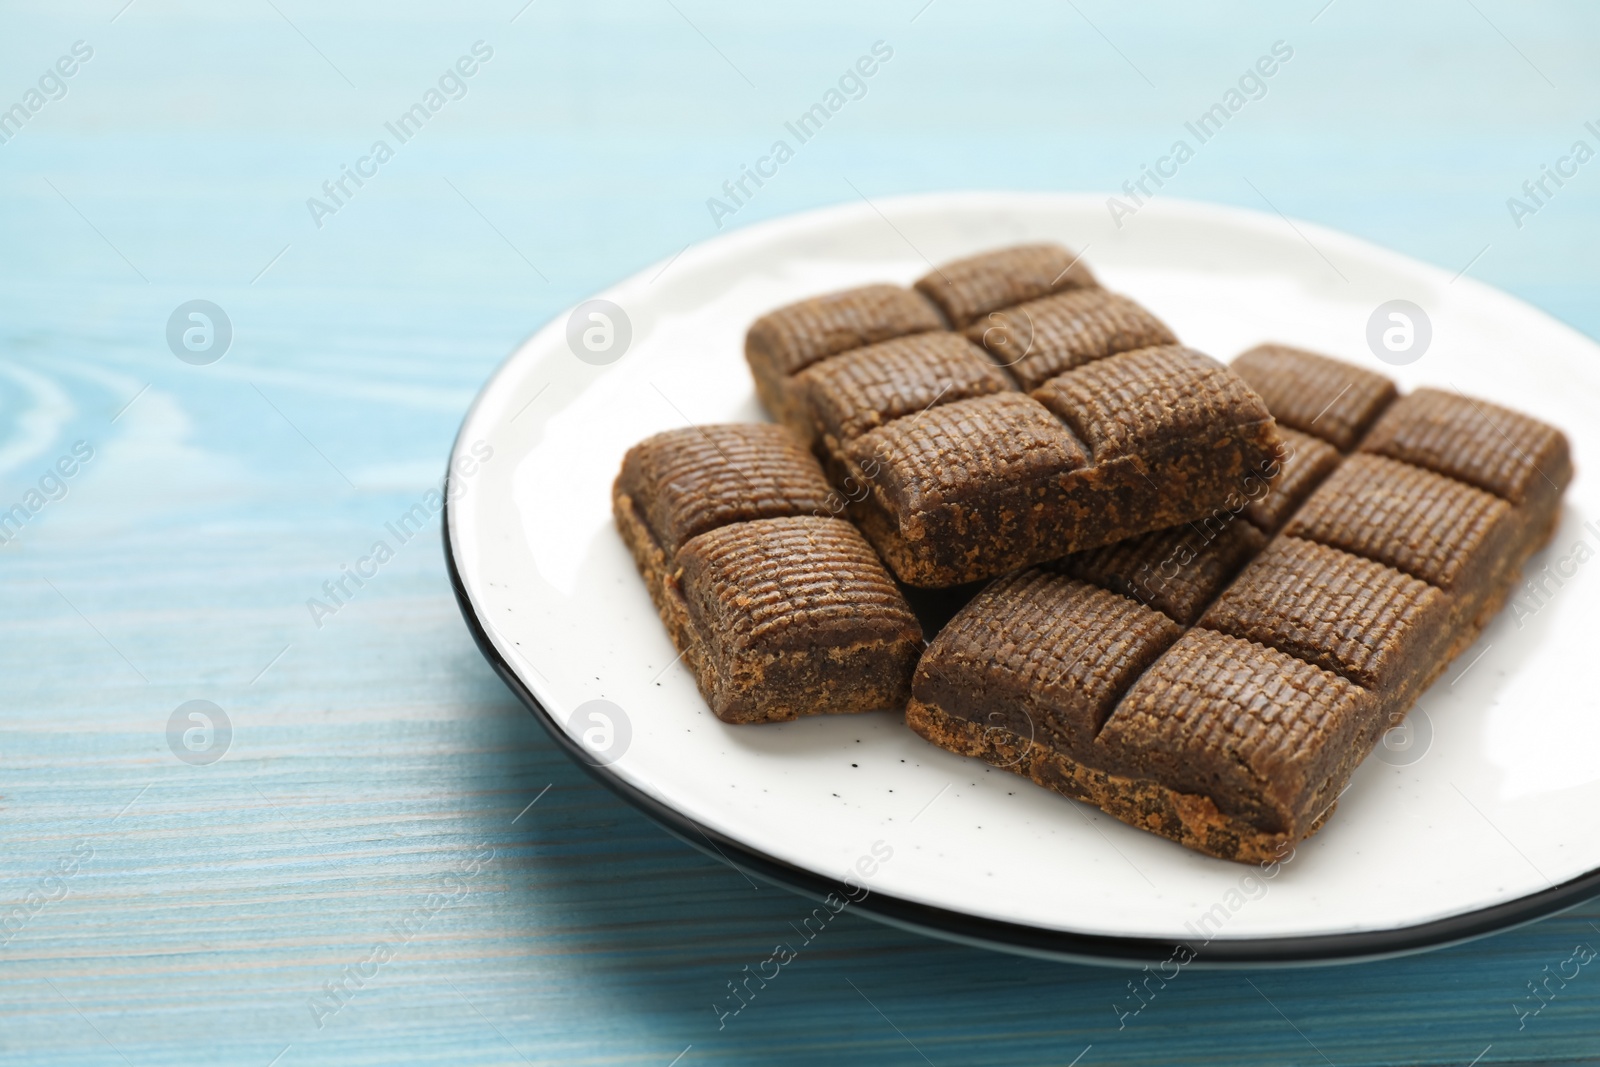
(1482, 812)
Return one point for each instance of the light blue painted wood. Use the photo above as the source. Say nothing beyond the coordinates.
(209, 905)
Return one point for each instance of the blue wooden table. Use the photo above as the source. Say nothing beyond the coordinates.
(363, 850)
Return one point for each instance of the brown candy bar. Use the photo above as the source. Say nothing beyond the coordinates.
(1218, 682)
(1062, 417)
(780, 609)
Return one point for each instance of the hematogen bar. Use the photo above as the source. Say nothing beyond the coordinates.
(1224, 701)
(1005, 411)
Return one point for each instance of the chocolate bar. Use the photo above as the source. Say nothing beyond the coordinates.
(1060, 417)
(1218, 682)
(779, 608)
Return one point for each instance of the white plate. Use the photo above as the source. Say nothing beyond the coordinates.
(1492, 820)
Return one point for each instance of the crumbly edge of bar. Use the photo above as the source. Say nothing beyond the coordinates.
(658, 576)
(923, 563)
(1192, 820)
(1189, 819)
(839, 689)
(780, 400)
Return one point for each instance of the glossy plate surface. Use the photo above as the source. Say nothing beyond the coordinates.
(1484, 811)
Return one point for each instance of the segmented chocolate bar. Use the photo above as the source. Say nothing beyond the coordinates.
(1218, 682)
(779, 608)
(1063, 416)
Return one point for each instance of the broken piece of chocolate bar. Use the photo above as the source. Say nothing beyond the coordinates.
(1218, 682)
(780, 609)
(1062, 417)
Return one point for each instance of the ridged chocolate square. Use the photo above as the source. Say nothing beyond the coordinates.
(796, 616)
(966, 289)
(980, 475)
(1043, 338)
(1418, 522)
(786, 341)
(1352, 616)
(1044, 656)
(1314, 394)
(1258, 733)
(868, 387)
(1178, 570)
(779, 609)
(685, 482)
(1474, 441)
(1151, 400)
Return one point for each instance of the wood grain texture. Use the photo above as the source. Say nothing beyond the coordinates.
(377, 753)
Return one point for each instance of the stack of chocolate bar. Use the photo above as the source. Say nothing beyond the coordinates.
(1213, 588)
